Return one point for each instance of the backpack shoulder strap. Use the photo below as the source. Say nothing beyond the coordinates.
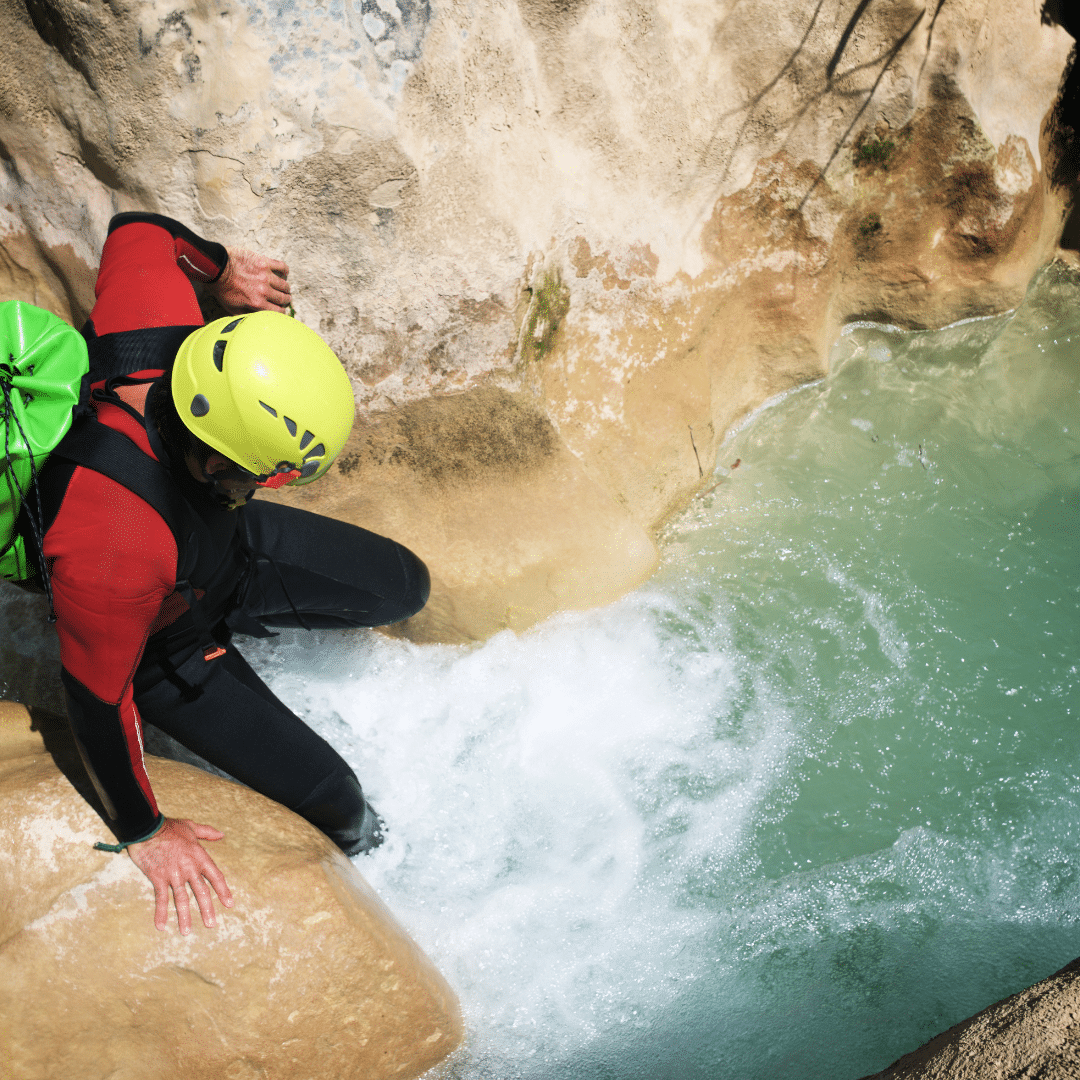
(105, 450)
(128, 351)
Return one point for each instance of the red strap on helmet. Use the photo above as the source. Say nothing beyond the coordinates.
(279, 479)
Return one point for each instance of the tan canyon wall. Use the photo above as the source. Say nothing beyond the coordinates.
(560, 245)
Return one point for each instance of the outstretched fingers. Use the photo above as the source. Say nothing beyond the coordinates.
(183, 905)
(208, 869)
(161, 904)
(174, 860)
(203, 899)
(253, 282)
(193, 879)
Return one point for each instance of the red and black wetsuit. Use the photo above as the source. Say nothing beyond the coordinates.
(129, 648)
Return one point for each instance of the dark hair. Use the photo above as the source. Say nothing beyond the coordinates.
(178, 439)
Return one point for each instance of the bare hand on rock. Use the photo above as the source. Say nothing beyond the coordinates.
(174, 859)
(252, 282)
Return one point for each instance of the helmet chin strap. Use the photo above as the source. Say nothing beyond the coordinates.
(284, 474)
(221, 495)
(279, 479)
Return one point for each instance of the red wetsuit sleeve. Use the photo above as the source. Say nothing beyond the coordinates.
(107, 597)
(147, 266)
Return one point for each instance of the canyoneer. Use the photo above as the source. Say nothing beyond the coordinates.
(141, 528)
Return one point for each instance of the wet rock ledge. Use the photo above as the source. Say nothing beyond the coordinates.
(1033, 1034)
(309, 974)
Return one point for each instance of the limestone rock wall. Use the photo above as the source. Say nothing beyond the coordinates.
(635, 220)
(308, 975)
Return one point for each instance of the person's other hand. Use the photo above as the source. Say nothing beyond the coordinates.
(174, 859)
(252, 282)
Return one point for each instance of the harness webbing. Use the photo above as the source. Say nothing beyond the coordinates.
(111, 453)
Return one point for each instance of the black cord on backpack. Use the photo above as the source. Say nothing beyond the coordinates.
(33, 515)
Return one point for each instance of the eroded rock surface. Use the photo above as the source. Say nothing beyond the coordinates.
(308, 975)
(482, 488)
(1035, 1033)
(644, 217)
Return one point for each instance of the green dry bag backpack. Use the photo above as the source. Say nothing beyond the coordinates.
(43, 363)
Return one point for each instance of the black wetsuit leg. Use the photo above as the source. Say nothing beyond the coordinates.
(316, 572)
(224, 712)
(333, 574)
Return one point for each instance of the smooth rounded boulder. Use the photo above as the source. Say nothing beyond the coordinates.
(307, 975)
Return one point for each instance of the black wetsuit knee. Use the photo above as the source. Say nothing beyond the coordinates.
(418, 587)
(337, 807)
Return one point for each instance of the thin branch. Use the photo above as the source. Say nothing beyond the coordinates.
(701, 471)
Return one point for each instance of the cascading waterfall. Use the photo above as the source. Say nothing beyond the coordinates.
(808, 798)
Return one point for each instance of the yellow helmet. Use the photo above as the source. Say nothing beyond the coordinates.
(268, 393)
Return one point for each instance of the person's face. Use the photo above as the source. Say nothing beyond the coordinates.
(225, 475)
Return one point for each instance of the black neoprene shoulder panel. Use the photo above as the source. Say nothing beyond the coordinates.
(178, 231)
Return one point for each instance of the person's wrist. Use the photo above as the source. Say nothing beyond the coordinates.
(222, 272)
(128, 844)
(223, 279)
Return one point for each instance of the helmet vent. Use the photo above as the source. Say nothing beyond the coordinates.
(290, 424)
(306, 439)
(199, 405)
(272, 412)
(232, 326)
(315, 451)
(219, 353)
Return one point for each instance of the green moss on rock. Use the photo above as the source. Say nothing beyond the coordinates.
(874, 152)
(548, 307)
